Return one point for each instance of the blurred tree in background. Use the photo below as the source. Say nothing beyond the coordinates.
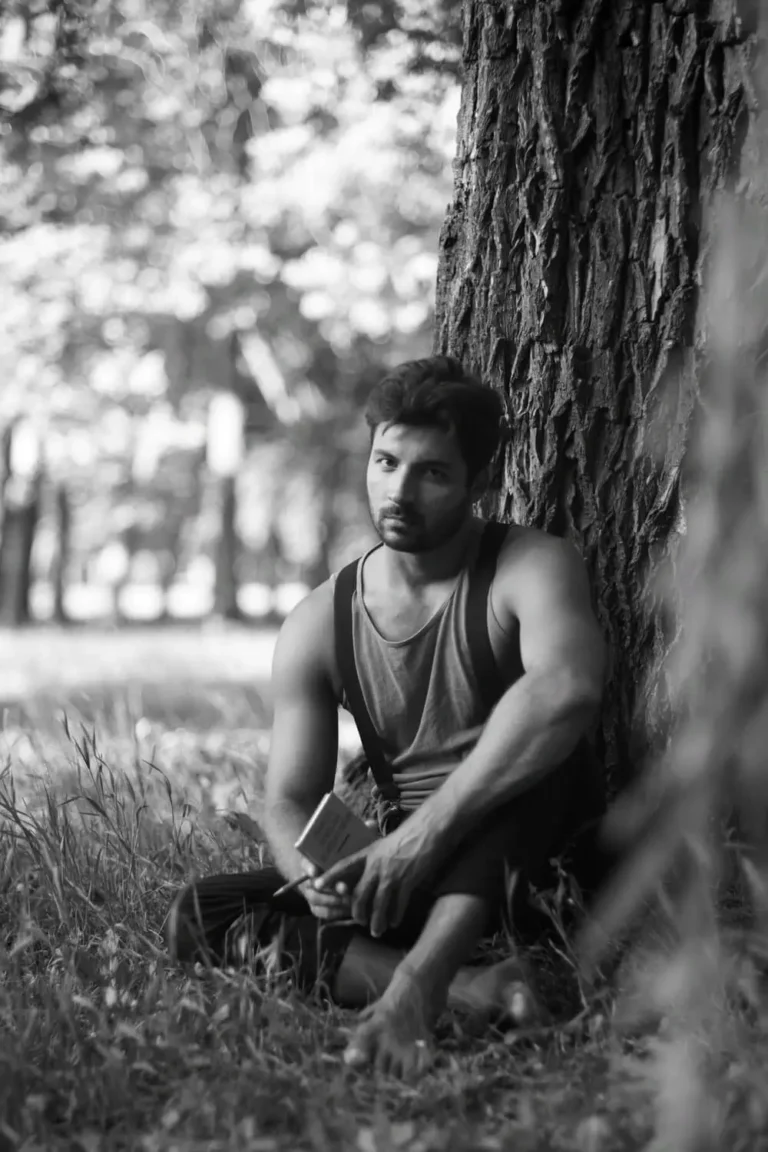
(203, 200)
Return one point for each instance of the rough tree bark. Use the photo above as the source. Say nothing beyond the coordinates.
(592, 137)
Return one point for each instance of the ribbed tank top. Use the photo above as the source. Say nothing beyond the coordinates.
(421, 693)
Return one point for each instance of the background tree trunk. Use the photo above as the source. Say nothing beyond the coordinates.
(227, 549)
(592, 138)
(63, 519)
(20, 508)
(329, 481)
(20, 516)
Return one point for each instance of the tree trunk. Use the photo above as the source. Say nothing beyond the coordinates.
(330, 480)
(227, 550)
(61, 561)
(21, 506)
(592, 138)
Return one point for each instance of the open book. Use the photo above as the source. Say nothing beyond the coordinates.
(333, 832)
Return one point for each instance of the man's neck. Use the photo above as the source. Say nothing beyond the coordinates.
(419, 569)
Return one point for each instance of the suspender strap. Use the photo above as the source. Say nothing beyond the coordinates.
(488, 677)
(346, 582)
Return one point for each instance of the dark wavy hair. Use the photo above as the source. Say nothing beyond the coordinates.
(440, 393)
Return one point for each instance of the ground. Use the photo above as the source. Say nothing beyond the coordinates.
(107, 805)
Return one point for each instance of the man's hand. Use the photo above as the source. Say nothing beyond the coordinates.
(385, 876)
(326, 905)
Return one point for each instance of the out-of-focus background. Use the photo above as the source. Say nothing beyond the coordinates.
(206, 257)
(219, 224)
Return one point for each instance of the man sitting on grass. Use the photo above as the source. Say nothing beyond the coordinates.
(472, 662)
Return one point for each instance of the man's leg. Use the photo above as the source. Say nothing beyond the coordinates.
(415, 987)
(411, 989)
(453, 927)
(225, 919)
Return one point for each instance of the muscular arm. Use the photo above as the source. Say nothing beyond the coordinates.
(304, 744)
(540, 719)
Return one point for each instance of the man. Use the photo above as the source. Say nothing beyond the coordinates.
(473, 664)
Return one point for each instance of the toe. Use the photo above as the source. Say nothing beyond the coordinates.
(360, 1050)
(393, 1060)
(520, 1004)
(423, 1056)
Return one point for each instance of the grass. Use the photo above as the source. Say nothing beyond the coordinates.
(107, 1046)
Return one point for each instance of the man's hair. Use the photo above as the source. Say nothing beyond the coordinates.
(440, 393)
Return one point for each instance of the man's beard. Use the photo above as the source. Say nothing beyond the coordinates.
(411, 534)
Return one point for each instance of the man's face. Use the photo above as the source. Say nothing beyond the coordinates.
(418, 494)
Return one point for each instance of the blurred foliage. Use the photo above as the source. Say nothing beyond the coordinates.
(195, 196)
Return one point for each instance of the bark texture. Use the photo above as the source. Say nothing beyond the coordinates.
(593, 135)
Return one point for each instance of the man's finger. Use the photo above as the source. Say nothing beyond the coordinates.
(380, 912)
(349, 870)
(328, 906)
(323, 913)
(324, 899)
(363, 895)
(399, 906)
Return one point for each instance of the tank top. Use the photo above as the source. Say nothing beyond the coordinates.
(422, 693)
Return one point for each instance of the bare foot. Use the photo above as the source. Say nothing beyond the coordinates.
(394, 1033)
(504, 991)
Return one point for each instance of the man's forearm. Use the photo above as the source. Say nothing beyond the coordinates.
(284, 821)
(533, 728)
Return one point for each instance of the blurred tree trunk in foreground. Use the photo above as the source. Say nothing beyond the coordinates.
(592, 140)
(20, 508)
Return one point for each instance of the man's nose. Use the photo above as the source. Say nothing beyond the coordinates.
(401, 485)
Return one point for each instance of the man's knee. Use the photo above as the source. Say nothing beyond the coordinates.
(202, 914)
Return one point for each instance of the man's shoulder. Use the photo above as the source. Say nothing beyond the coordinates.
(524, 544)
(529, 556)
(307, 630)
(309, 634)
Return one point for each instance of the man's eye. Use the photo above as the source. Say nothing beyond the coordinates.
(385, 463)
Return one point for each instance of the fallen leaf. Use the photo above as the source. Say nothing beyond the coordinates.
(241, 822)
(366, 1140)
(592, 1134)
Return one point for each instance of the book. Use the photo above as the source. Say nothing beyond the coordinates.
(333, 832)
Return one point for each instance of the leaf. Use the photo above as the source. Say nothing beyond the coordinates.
(241, 822)
(123, 975)
(86, 966)
(592, 1134)
(89, 1140)
(170, 1119)
(366, 1140)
